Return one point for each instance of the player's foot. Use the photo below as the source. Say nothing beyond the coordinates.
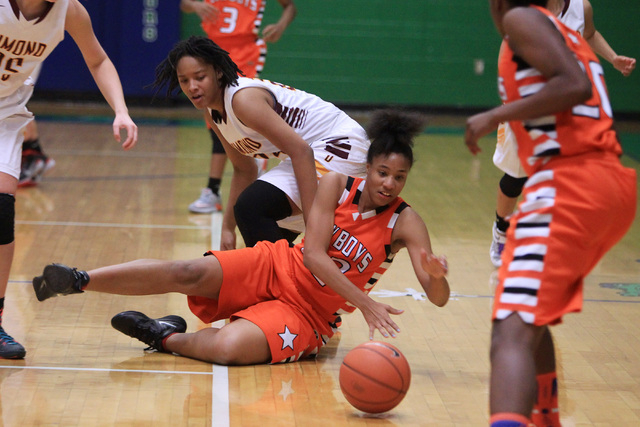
(58, 279)
(32, 166)
(150, 331)
(206, 203)
(9, 348)
(49, 163)
(497, 246)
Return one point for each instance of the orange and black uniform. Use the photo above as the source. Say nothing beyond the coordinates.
(269, 285)
(235, 29)
(578, 202)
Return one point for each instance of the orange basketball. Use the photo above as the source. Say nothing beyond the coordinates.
(375, 377)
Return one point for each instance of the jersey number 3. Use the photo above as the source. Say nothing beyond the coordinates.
(230, 19)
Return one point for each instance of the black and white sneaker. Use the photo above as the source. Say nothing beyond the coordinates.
(150, 331)
(58, 279)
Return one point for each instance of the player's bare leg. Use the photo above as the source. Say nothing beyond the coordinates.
(240, 342)
(198, 277)
(513, 366)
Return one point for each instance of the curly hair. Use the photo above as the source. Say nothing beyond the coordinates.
(392, 131)
(203, 49)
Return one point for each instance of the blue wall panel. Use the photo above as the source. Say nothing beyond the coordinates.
(136, 34)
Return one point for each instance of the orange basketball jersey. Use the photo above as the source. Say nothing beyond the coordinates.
(360, 246)
(586, 127)
(235, 29)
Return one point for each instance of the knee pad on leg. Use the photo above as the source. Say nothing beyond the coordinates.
(7, 218)
(512, 187)
(262, 199)
(257, 211)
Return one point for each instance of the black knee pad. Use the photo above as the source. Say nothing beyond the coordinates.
(290, 235)
(257, 211)
(7, 218)
(217, 147)
(512, 187)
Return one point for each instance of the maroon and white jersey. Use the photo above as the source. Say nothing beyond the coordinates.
(25, 44)
(312, 118)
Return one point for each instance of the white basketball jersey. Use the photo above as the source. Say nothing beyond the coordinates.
(573, 17)
(308, 115)
(25, 44)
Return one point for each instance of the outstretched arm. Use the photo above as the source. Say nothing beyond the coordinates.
(273, 32)
(78, 25)
(317, 240)
(411, 232)
(600, 46)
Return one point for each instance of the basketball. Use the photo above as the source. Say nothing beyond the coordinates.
(374, 377)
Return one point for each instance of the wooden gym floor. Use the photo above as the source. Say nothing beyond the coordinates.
(101, 205)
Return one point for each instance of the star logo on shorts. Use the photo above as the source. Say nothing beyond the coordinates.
(287, 338)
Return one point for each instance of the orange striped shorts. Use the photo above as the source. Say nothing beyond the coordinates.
(571, 214)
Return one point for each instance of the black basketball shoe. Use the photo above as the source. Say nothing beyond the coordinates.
(58, 279)
(149, 331)
(9, 348)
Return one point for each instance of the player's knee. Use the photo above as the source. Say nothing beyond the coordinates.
(7, 218)
(261, 200)
(186, 273)
(234, 344)
(228, 349)
(512, 187)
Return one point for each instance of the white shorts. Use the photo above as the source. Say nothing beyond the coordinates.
(14, 116)
(343, 154)
(506, 155)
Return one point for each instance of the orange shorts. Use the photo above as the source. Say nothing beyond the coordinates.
(570, 215)
(258, 285)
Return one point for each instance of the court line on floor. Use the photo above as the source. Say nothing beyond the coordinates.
(220, 382)
(135, 371)
(636, 300)
(220, 374)
(111, 225)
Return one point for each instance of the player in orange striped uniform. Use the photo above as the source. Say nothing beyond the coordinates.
(235, 26)
(578, 202)
(282, 301)
(577, 15)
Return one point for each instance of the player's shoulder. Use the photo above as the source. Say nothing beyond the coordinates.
(334, 179)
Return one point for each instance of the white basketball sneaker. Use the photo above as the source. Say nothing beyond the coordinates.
(497, 246)
(206, 203)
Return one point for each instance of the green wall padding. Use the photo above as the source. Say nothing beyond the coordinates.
(416, 52)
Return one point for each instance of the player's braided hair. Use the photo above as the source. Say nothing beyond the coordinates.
(197, 47)
(392, 131)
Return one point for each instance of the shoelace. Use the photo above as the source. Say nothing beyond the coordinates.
(6, 338)
(147, 336)
(77, 277)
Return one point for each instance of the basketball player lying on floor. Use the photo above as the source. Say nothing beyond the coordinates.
(282, 308)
